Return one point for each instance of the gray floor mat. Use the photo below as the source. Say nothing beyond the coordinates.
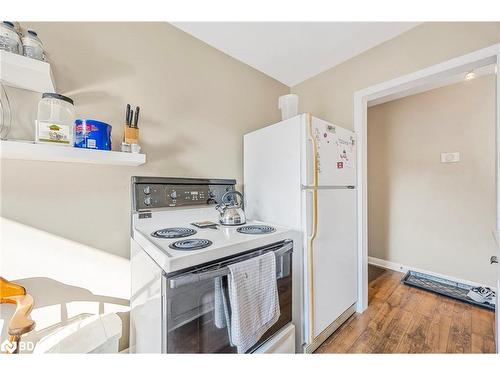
(442, 286)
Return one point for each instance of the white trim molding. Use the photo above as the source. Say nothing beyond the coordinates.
(399, 87)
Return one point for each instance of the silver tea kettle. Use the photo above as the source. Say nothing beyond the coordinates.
(231, 213)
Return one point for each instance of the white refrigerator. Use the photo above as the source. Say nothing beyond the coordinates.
(301, 173)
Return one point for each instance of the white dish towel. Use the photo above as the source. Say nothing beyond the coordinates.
(253, 297)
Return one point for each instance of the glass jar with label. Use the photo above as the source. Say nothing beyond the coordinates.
(32, 45)
(56, 120)
(9, 38)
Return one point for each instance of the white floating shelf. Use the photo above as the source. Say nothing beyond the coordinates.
(18, 150)
(25, 73)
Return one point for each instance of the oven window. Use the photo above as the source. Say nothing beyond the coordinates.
(197, 314)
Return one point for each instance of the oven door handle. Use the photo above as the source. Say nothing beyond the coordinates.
(195, 277)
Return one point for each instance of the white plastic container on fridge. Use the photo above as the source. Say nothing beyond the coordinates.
(289, 106)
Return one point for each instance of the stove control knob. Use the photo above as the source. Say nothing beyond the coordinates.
(173, 195)
(211, 197)
(147, 190)
(147, 201)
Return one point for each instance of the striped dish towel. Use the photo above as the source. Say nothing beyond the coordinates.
(253, 296)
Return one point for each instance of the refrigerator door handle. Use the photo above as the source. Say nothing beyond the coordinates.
(313, 217)
(312, 232)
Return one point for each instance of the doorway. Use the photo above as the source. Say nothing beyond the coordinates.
(431, 181)
(424, 80)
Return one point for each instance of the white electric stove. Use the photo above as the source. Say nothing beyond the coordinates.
(176, 266)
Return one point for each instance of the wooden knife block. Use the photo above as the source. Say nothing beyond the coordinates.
(131, 135)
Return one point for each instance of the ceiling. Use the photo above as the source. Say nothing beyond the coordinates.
(292, 52)
(435, 84)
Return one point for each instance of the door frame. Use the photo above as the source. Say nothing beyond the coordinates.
(400, 87)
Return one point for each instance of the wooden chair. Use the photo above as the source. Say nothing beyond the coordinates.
(20, 322)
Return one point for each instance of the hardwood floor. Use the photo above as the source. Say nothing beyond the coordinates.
(401, 319)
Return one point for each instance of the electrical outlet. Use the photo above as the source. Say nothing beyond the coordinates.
(450, 157)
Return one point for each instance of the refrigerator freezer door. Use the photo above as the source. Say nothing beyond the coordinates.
(335, 154)
(332, 289)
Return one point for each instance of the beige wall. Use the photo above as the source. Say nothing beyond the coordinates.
(329, 95)
(424, 213)
(196, 103)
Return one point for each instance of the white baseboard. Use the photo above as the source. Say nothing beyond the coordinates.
(387, 265)
(404, 268)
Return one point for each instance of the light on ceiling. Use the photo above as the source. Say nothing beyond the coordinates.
(470, 75)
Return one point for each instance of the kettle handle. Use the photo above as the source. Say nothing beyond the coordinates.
(233, 192)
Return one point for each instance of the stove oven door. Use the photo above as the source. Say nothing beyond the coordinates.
(195, 304)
